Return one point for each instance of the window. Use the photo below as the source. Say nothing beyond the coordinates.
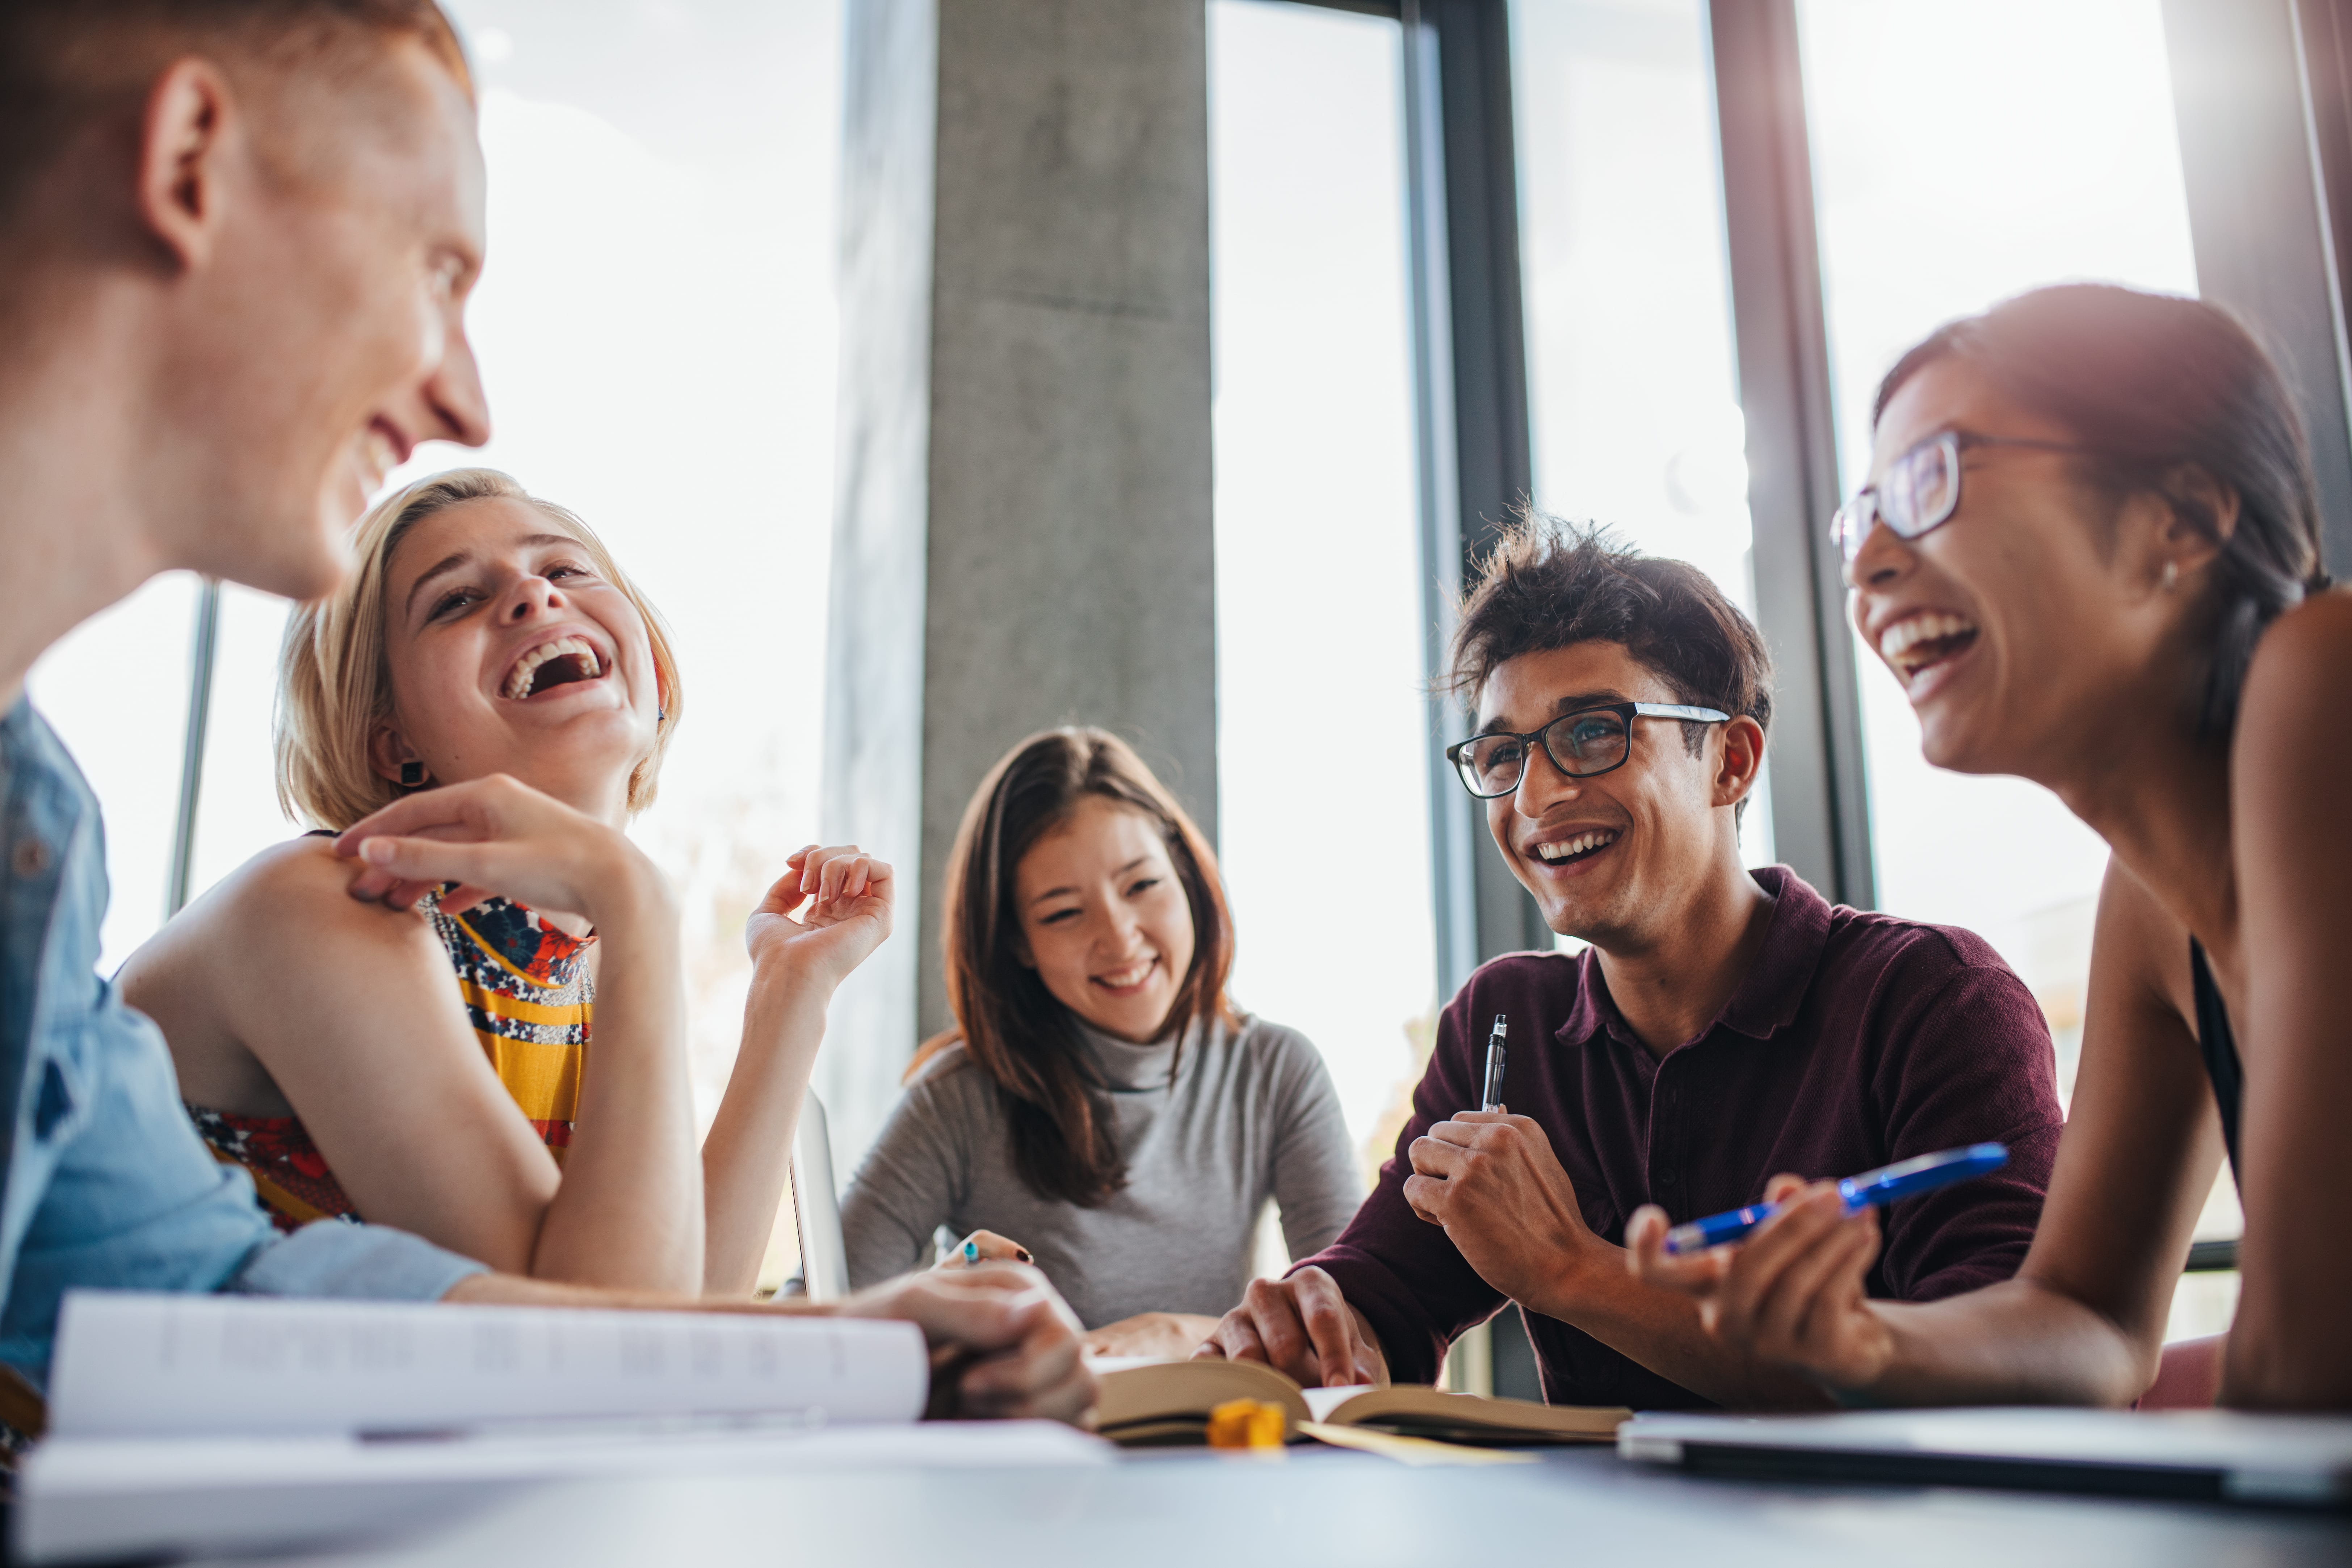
(2021, 143)
(1631, 371)
(1323, 729)
(656, 330)
(116, 689)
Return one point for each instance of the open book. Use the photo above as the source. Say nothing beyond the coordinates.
(187, 1423)
(1153, 1403)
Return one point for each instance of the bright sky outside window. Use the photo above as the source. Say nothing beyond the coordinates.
(2021, 143)
(116, 691)
(656, 330)
(1631, 368)
(1323, 733)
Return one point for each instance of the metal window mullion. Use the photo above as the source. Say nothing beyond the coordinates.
(1821, 812)
(1454, 825)
(201, 658)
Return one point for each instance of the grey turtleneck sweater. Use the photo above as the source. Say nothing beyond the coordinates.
(1251, 1116)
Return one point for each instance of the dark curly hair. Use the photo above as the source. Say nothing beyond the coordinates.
(1550, 585)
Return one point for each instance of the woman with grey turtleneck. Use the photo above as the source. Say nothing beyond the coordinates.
(1100, 1106)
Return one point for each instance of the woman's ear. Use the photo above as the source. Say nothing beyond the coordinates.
(2202, 515)
(387, 751)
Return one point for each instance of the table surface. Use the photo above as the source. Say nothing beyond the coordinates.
(1328, 1507)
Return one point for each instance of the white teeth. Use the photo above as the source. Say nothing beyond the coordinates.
(1576, 845)
(381, 454)
(518, 679)
(1929, 626)
(1131, 976)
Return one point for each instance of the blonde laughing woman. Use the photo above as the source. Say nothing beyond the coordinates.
(418, 1053)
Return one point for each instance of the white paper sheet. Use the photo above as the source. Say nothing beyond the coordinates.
(139, 1366)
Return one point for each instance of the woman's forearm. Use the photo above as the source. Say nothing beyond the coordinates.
(1661, 1330)
(749, 1149)
(629, 1209)
(2017, 1343)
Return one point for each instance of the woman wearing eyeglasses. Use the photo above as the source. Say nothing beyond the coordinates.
(2089, 552)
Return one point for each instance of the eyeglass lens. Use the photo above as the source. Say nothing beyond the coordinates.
(1579, 743)
(1920, 490)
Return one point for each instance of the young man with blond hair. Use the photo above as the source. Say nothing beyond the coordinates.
(236, 239)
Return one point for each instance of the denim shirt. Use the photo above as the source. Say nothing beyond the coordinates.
(103, 1181)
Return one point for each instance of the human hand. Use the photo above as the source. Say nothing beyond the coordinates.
(983, 1246)
(1790, 1292)
(844, 899)
(1493, 1180)
(497, 836)
(1302, 1327)
(1166, 1336)
(1003, 1345)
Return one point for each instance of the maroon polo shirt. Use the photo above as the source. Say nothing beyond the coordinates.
(1855, 1040)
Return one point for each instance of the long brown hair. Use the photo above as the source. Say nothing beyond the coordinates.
(1064, 1143)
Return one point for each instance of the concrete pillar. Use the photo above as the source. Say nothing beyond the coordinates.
(1023, 528)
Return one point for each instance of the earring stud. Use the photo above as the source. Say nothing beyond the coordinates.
(2171, 575)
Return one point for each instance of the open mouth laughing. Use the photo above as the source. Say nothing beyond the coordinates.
(1919, 643)
(562, 661)
(1582, 847)
(1127, 981)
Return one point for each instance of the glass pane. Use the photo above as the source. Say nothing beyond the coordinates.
(1630, 366)
(237, 804)
(1318, 558)
(116, 689)
(1979, 169)
(656, 330)
(2020, 143)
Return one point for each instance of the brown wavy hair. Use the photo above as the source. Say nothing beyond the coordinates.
(1058, 1110)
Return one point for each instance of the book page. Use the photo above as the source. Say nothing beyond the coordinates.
(1323, 1401)
(134, 1365)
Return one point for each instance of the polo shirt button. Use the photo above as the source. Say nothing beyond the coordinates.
(30, 858)
(1665, 1178)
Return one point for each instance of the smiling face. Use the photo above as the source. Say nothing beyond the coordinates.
(1612, 859)
(2034, 617)
(1105, 919)
(511, 652)
(324, 338)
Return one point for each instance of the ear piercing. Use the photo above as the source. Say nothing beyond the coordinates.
(412, 774)
(2171, 575)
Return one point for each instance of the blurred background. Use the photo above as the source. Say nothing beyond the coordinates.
(1642, 261)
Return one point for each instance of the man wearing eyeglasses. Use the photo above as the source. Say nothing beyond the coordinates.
(1723, 1025)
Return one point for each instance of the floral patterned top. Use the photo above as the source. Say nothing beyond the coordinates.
(528, 991)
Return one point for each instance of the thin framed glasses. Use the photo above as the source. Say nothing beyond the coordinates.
(1580, 744)
(1920, 490)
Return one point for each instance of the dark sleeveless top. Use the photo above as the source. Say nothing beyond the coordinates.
(2220, 1047)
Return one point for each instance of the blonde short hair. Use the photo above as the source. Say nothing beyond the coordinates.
(334, 673)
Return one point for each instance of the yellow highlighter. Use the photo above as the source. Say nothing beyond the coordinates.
(1245, 1424)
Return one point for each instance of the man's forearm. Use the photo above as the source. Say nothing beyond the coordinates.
(1660, 1330)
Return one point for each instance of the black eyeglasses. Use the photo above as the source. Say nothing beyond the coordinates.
(1920, 490)
(1581, 745)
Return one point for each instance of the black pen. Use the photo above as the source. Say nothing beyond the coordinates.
(1493, 1099)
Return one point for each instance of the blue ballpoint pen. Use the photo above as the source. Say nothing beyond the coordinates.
(1904, 1178)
